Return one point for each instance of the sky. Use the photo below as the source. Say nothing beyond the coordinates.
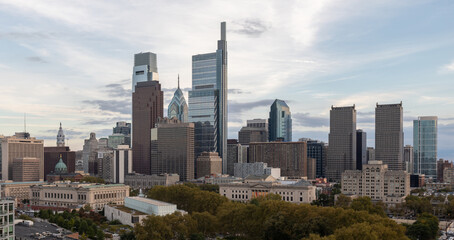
(71, 61)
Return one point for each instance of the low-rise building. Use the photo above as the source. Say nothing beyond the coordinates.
(300, 191)
(217, 179)
(142, 181)
(69, 195)
(20, 191)
(377, 182)
(242, 170)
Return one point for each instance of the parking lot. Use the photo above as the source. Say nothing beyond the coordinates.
(45, 230)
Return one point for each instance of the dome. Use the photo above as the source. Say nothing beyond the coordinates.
(61, 167)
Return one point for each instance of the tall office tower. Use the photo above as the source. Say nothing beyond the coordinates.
(90, 152)
(172, 148)
(26, 169)
(441, 166)
(256, 130)
(147, 107)
(122, 163)
(290, 157)
(18, 146)
(208, 100)
(361, 149)
(425, 146)
(342, 142)
(389, 135)
(236, 153)
(280, 122)
(370, 152)
(121, 135)
(317, 150)
(60, 138)
(145, 69)
(408, 158)
(178, 107)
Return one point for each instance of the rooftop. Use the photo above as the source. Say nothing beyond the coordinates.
(128, 210)
(150, 201)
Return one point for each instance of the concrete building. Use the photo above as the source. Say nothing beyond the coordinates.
(17, 190)
(236, 153)
(18, 146)
(177, 107)
(7, 232)
(52, 156)
(291, 191)
(208, 163)
(361, 149)
(142, 181)
(425, 141)
(26, 169)
(408, 159)
(280, 122)
(68, 195)
(172, 148)
(208, 100)
(342, 142)
(147, 107)
(243, 170)
(448, 175)
(89, 154)
(115, 164)
(441, 166)
(217, 179)
(256, 130)
(377, 182)
(290, 157)
(389, 135)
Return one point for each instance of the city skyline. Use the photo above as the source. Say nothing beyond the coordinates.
(306, 58)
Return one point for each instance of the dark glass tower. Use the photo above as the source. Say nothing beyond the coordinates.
(361, 149)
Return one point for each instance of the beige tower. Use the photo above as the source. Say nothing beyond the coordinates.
(208, 163)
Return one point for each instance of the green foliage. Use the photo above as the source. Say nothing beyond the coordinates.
(365, 204)
(418, 205)
(91, 179)
(425, 227)
(25, 217)
(343, 201)
(115, 222)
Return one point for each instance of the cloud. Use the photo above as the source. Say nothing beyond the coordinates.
(447, 68)
(306, 120)
(251, 27)
(36, 59)
(117, 90)
(26, 34)
(237, 91)
(114, 106)
(236, 107)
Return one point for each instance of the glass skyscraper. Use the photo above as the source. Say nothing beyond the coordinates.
(208, 100)
(177, 107)
(425, 146)
(280, 122)
(145, 68)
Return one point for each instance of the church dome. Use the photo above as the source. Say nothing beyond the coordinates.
(61, 167)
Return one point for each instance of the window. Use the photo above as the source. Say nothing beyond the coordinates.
(140, 72)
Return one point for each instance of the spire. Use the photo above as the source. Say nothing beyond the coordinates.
(60, 137)
(178, 81)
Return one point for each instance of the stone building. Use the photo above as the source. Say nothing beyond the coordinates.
(142, 181)
(18, 190)
(26, 169)
(208, 163)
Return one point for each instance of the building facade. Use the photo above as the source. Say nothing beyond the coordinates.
(441, 166)
(290, 157)
(208, 99)
(408, 159)
(280, 122)
(256, 130)
(60, 137)
(208, 163)
(389, 135)
(177, 107)
(26, 169)
(52, 156)
(317, 150)
(425, 146)
(342, 142)
(377, 182)
(361, 149)
(7, 210)
(370, 154)
(147, 107)
(89, 154)
(243, 170)
(145, 68)
(18, 190)
(236, 153)
(142, 181)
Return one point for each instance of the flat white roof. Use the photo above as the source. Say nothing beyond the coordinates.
(151, 201)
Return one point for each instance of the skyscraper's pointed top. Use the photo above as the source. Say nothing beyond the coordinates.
(178, 81)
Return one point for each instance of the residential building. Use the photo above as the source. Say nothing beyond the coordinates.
(377, 182)
(255, 186)
(145, 68)
(147, 107)
(52, 156)
(172, 148)
(408, 158)
(361, 149)
(208, 163)
(90, 151)
(26, 169)
(142, 181)
(68, 195)
(208, 100)
(280, 122)
(177, 107)
(7, 211)
(236, 153)
(342, 142)
(441, 166)
(290, 157)
(243, 170)
(389, 135)
(256, 130)
(18, 146)
(425, 146)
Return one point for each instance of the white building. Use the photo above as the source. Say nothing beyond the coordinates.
(242, 170)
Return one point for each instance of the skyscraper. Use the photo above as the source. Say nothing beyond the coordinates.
(177, 106)
(361, 149)
(147, 107)
(90, 151)
(389, 135)
(409, 159)
(342, 142)
(425, 146)
(208, 100)
(145, 68)
(280, 122)
(317, 150)
(256, 130)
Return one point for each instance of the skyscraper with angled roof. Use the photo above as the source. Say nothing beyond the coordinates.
(177, 106)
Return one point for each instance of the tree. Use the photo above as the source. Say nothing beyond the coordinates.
(83, 227)
(425, 227)
(343, 201)
(365, 204)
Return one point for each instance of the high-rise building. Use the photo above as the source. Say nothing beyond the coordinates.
(26, 169)
(425, 146)
(256, 130)
(115, 168)
(122, 128)
(342, 142)
(389, 135)
(172, 148)
(441, 166)
(208, 163)
(7, 219)
(408, 158)
(147, 107)
(370, 154)
(317, 150)
(236, 153)
(361, 149)
(18, 146)
(60, 137)
(177, 106)
(280, 122)
(121, 135)
(208, 100)
(145, 68)
(90, 152)
(290, 157)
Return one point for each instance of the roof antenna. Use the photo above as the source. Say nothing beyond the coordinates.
(178, 80)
